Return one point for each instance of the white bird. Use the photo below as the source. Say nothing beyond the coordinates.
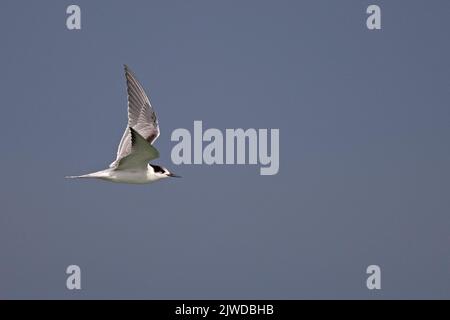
(135, 148)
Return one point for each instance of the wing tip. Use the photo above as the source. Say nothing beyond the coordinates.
(128, 71)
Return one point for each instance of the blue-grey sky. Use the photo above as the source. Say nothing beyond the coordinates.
(364, 149)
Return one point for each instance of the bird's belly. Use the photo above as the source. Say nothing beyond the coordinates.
(128, 177)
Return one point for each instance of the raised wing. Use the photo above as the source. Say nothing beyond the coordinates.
(141, 153)
(141, 116)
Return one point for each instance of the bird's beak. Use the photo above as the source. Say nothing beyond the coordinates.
(173, 175)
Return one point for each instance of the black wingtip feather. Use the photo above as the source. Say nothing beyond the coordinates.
(133, 135)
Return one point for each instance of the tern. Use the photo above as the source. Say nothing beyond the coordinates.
(135, 149)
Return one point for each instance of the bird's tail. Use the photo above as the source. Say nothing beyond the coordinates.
(99, 174)
(82, 176)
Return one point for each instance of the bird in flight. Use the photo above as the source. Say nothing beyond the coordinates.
(135, 148)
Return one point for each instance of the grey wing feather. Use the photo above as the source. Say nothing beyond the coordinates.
(141, 116)
(141, 153)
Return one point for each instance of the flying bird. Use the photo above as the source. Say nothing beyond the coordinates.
(136, 148)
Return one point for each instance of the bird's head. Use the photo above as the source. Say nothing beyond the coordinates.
(161, 172)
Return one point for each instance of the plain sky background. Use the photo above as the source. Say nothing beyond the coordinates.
(364, 149)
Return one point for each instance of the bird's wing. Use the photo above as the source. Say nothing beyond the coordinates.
(141, 116)
(141, 153)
